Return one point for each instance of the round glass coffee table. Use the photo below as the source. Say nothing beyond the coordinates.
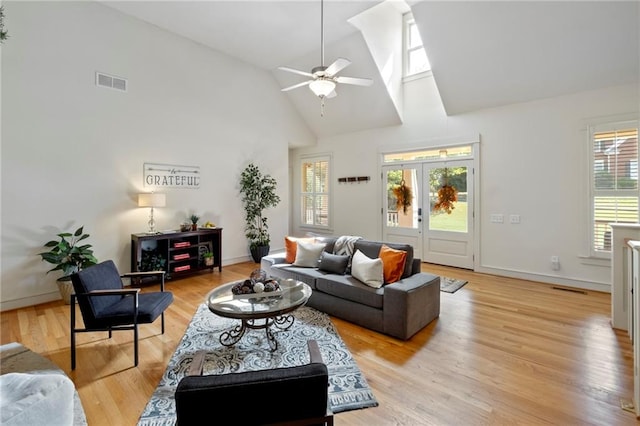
(258, 310)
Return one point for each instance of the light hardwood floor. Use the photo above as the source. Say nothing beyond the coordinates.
(503, 352)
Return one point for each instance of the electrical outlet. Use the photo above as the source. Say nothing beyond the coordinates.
(497, 218)
(555, 263)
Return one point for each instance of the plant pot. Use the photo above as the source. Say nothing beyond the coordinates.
(208, 261)
(258, 252)
(65, 286)
(194, 227)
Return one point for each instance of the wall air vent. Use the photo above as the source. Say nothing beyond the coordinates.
(111, 82)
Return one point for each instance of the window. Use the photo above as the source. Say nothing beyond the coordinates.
(614, 180)
(314, 199)
(415, 57)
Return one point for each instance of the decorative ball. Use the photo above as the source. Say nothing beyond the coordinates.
(236, 288)
(258, 287)
(258, 275)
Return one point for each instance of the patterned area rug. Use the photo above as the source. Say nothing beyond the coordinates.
(451, 285)
(348, 389)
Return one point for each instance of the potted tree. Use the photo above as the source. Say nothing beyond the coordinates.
(69, 257)
(258, 193)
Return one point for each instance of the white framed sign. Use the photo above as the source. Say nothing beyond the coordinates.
(171, 176)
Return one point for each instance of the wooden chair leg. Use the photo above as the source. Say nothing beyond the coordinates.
(162, 321)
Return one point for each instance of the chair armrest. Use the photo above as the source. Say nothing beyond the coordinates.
(314, 352)
(146, 274)
(197, 365)
(142, 274)
(111, 292)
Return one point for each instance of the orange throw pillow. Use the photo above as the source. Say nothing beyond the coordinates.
(291, 247)
(392, 263)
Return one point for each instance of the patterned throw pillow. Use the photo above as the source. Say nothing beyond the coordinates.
(393, 263)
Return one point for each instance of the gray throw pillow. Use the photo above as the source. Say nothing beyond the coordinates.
(334, 263)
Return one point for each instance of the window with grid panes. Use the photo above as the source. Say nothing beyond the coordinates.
(315, 191)
(614, 180)
(415, 57)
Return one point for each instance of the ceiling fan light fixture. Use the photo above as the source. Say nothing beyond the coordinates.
(322, 87)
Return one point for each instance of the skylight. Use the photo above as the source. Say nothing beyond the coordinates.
(415, 61)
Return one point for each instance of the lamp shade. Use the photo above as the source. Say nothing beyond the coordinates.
(322, 87)
(152, 200)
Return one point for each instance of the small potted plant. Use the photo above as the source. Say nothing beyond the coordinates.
(194, 221)
(208, 258)
(69, 257)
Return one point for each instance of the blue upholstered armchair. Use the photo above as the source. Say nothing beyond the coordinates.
(106, 305)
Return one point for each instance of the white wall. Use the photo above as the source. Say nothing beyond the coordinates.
(533, 163)
(72, 153)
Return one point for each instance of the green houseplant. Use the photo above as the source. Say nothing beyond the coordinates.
(194, 218)
(258, 193)
(207, 257)
(69, 257)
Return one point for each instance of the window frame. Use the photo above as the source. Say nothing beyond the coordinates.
(407, 21)
(316, 158)
(596, 146)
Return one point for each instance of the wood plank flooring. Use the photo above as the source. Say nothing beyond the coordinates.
(503, 352)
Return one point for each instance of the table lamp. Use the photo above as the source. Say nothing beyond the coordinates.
(152, 200)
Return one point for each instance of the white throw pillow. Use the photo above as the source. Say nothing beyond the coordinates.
(369, 271)
(308, 254)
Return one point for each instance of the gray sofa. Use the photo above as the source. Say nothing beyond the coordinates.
(399, 309)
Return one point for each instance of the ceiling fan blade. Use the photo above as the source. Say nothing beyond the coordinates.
(337, 66)
(295, 71)
(356, 81)
(295, 86)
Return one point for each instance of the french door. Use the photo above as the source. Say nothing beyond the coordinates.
(430, 206)
(402, 206)
(448, 224)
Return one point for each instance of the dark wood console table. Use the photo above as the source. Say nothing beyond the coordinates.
(177, 253)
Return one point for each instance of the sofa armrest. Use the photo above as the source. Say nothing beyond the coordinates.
(410, 304)
(416, 268)
(271, 259)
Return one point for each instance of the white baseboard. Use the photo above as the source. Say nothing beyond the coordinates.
(29, 301)
(548, 279)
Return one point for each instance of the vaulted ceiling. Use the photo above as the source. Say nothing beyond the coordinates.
(483, 53)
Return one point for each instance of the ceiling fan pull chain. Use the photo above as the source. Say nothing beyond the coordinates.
(321, 106)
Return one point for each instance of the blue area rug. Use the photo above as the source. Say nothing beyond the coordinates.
(348, 388)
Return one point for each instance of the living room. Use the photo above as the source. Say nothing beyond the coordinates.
(73, 152)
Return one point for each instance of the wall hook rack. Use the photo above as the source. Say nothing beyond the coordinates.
(352, 179)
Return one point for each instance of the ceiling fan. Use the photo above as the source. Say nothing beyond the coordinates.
(323, 78)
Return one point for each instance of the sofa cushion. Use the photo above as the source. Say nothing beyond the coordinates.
(291, 247)
(372, 249)
(367, 270)
(334, 263)
(393, 262)
(306, 275)
(308, 254)
(349, 288)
